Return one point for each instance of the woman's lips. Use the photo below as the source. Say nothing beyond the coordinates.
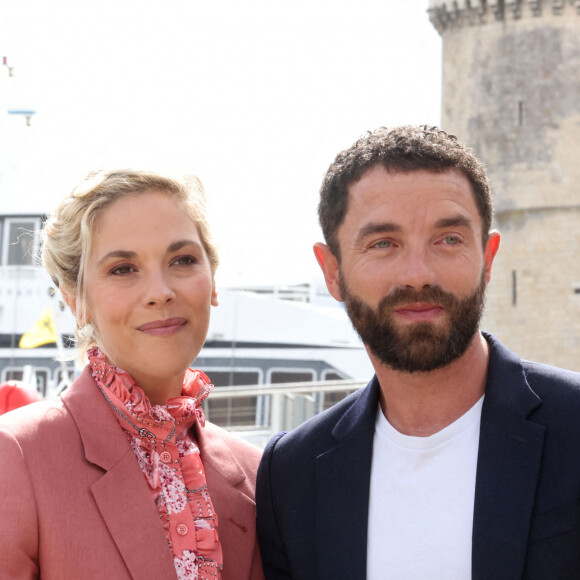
(163, 327)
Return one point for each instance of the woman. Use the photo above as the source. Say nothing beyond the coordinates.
(121, 477)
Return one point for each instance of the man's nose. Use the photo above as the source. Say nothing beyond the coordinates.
(416, 269)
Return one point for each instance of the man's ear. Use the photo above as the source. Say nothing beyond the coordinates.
(330, 268)
(491, 248)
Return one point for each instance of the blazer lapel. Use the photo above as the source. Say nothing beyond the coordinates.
(229, 488)
(135, 528)
(510, 451)
(342, 491)
(121, 494)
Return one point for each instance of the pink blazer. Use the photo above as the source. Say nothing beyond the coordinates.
(75, 505)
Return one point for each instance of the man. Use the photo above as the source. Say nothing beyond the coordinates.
(458, 460)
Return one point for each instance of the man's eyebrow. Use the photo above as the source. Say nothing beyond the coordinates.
(458, 220)
(377, 228)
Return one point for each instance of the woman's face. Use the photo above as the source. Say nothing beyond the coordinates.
(149, 287)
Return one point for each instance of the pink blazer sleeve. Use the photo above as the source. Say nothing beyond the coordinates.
(18, 523)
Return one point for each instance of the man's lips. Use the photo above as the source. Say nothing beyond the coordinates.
(163, 327)
(419, 311)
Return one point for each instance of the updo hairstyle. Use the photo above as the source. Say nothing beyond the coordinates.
(67, 235)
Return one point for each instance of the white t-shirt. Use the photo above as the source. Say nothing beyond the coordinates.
(421, 501)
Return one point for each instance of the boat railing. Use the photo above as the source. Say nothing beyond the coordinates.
(256, 412)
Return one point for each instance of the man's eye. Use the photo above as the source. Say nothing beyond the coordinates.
(451, 240)
(382, 244)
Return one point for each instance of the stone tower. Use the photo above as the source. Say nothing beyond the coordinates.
(511, 91)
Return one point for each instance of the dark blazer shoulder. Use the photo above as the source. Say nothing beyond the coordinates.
(525, 386)
(304, 475)
(550, 381)
(526, 515)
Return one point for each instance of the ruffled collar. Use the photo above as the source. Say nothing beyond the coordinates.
(170, 460)
(127, 397)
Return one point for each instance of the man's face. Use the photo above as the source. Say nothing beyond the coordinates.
(413, 271)
(422, 346)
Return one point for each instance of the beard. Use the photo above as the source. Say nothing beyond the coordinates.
(423, 346)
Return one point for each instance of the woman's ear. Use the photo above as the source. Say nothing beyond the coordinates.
(75, 308)
(71, 302)
(214, 294)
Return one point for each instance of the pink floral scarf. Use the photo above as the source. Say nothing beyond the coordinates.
(161, 437)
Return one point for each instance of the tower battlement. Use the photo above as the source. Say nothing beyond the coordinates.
(447, 14)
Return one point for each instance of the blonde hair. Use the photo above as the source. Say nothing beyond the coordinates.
(67, 235)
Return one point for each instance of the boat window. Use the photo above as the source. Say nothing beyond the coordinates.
(59, 376)
(17, 373)
(20, 243)
(330, 375)
(12, 374)
(291, 375)
(235, 411)
(231, 412)
(42, 380)
(330, 398)
(224, 378)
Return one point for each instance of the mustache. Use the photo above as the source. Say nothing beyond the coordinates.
(427, 295)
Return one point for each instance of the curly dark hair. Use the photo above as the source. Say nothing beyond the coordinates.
(406, 148)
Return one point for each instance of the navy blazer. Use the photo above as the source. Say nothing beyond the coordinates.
(313, 483)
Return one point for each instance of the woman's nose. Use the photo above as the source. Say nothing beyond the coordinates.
(159, 290)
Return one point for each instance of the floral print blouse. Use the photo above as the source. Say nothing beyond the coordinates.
(161, 438)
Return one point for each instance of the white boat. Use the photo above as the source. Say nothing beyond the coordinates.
(258, 335)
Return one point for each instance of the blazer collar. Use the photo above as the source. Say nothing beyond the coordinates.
(121, 492)
(360, 413)
(215, 452)
(232, 499)
(507, 385)
(103, 442)
(124, 499)
(342, 490)
(509, 459)
(508, 466)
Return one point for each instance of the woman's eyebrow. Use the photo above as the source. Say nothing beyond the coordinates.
(175, 246)
(125, 254)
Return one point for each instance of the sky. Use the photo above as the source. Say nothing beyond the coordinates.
(254, 97)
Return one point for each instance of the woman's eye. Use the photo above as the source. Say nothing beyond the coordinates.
(122, 270)
(185, 261)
